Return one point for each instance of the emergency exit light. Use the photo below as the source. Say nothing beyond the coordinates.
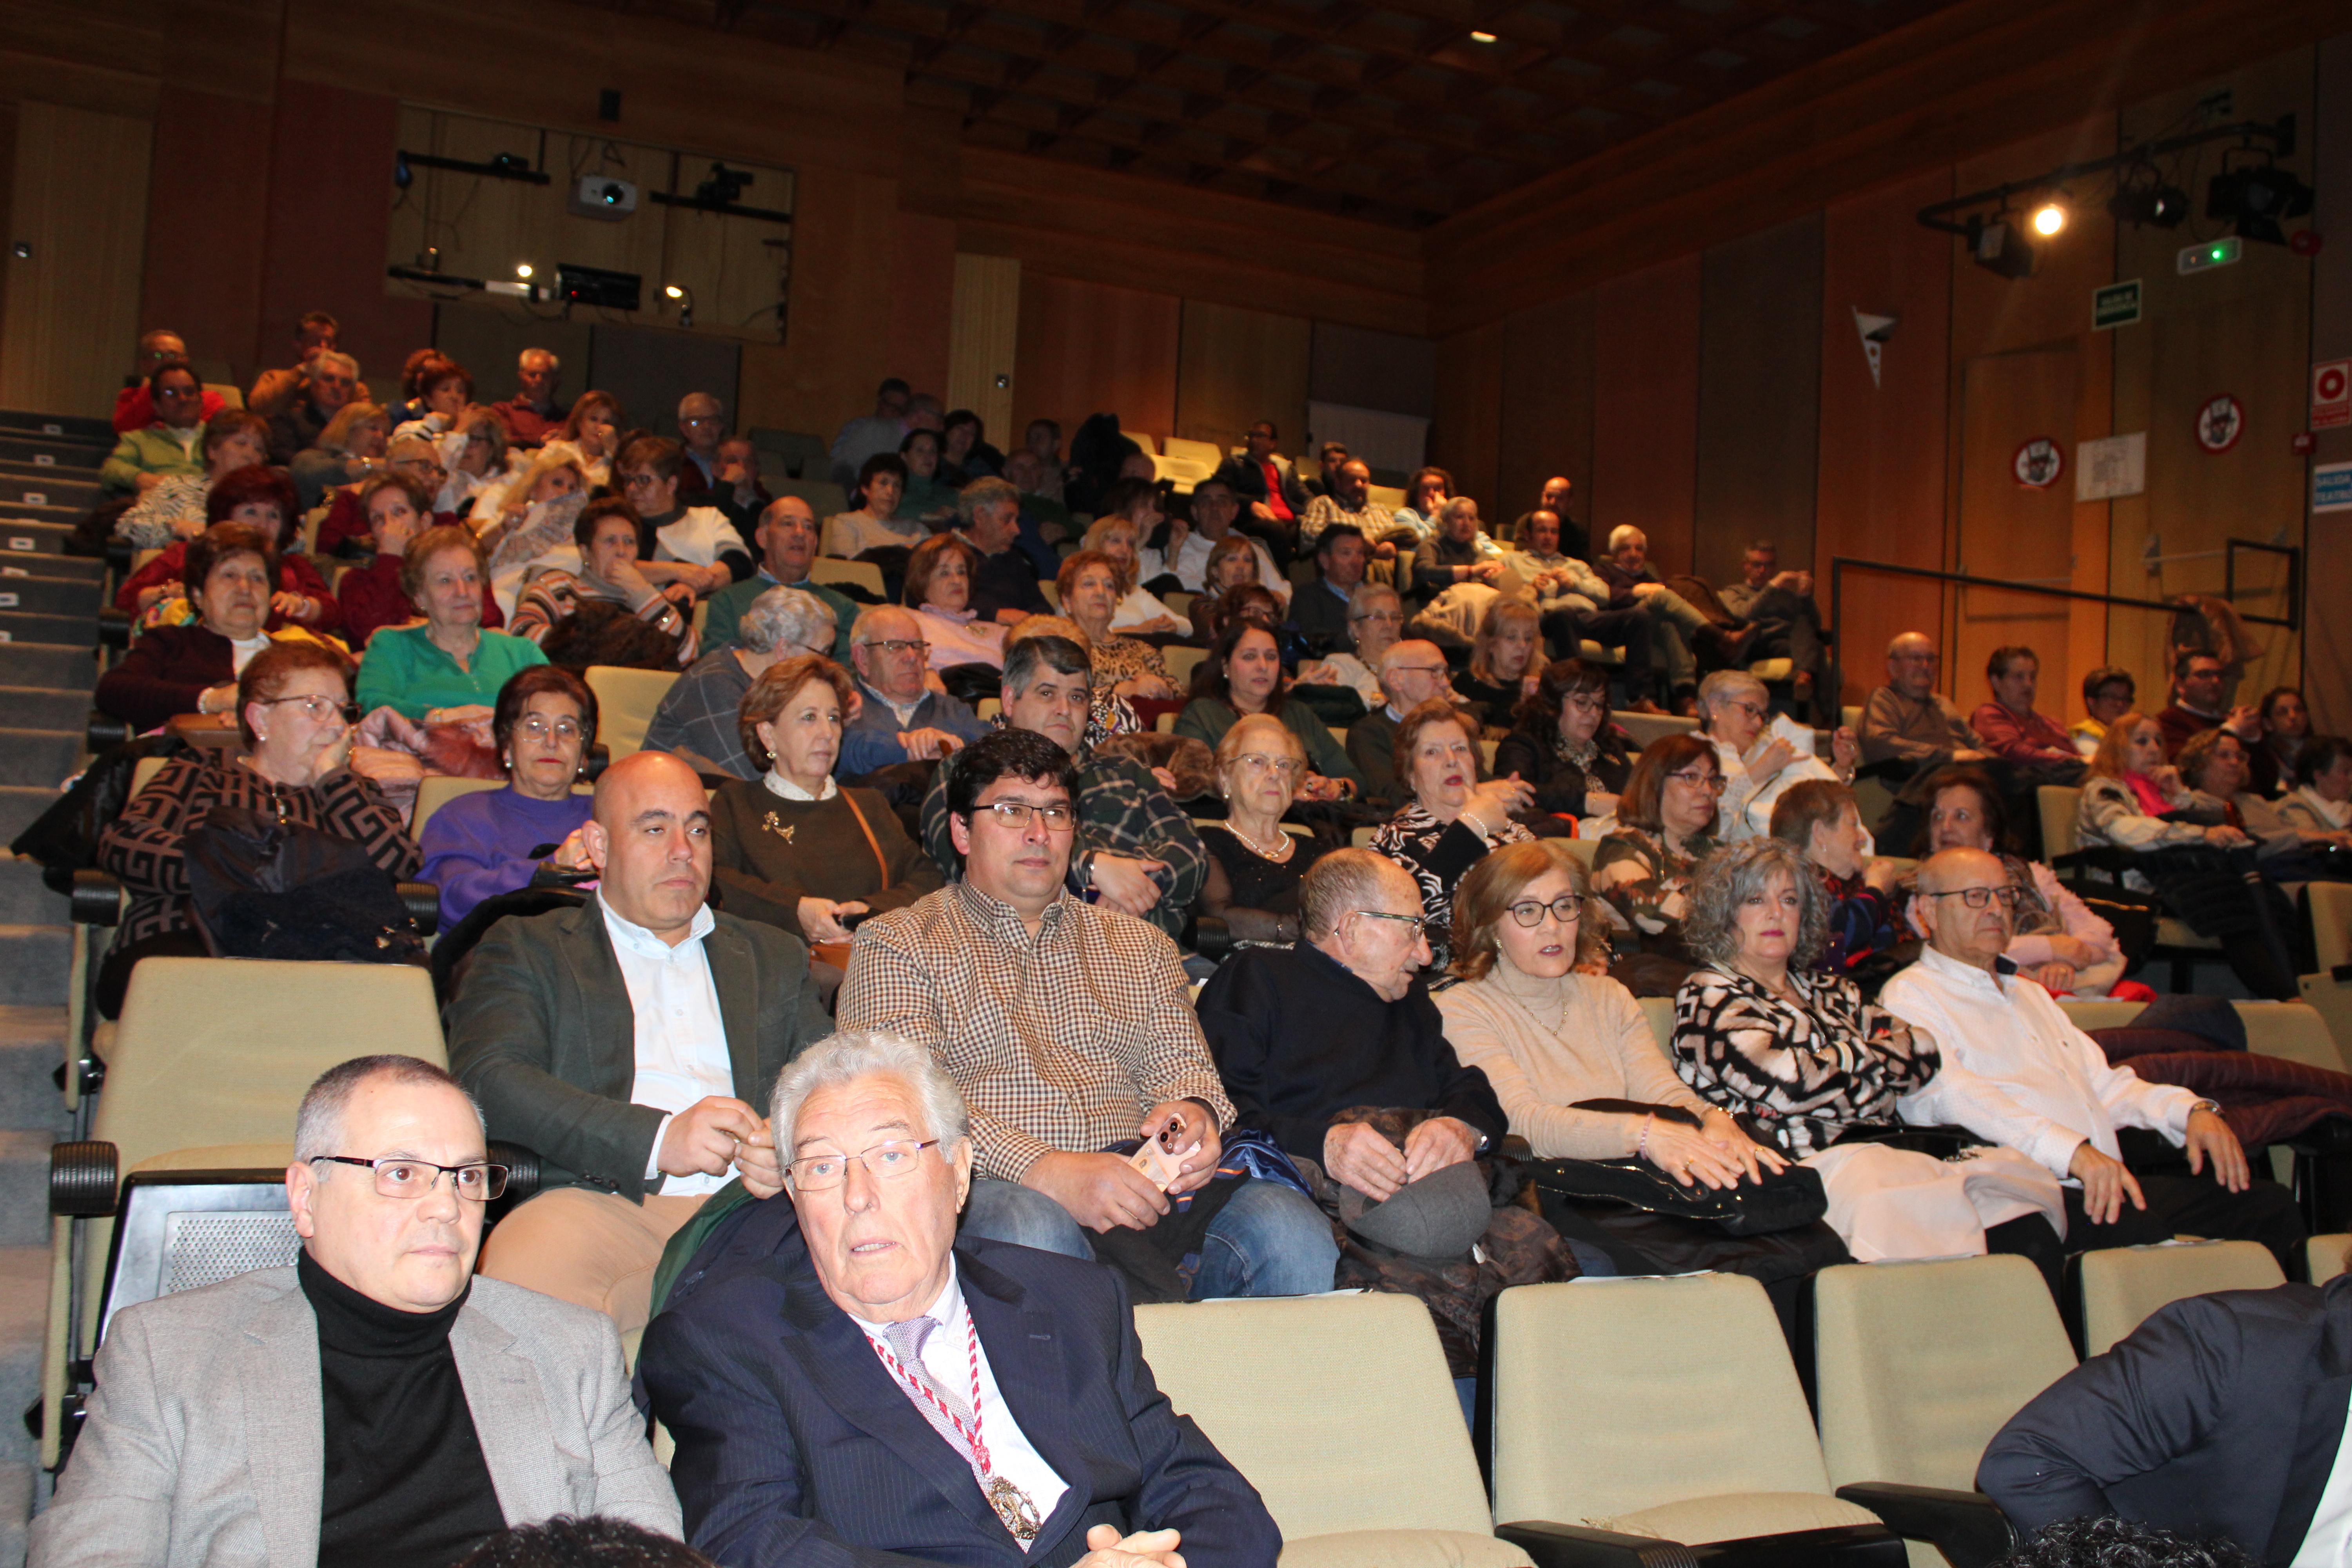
(2206, 255)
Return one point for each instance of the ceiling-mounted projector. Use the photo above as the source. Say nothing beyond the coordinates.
(602, 196)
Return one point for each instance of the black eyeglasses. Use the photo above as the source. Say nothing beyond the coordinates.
(1567, 909)
(404, 1178)
(1978, 898)
(316, 707)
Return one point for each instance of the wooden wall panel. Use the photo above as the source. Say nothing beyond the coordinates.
(1645, 358)
(1368, 369)
(79, 199)
(1547, 414)
(983, 340)
(1464, 438)
(328, 227)
(1089, 348)
(839, 345)
(1758, 395)
(1881, 485)
(1235, 367)
(922, 326)
(2327, 639)
(211, 295)
(2009, 531)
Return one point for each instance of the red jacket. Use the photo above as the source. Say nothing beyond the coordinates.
(135, 410)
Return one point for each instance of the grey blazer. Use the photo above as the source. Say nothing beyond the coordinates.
(542, 1036)
(204, 1442)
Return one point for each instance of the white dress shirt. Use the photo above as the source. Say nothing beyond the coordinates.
(2018, 1072)
(946, 1360)
(2328, 1542)
(681, 1038)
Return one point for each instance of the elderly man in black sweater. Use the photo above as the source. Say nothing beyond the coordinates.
(1341, 1021)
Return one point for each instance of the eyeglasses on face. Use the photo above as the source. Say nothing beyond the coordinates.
(406, 1178)
(1711, 782)
(1389, 618)
(315, 707)
(1417, 668)
(1016, 815)
(1420, 923)
(1258, 762)
(1587, 702)
(900, 645)
(888, 1161)
(537, 729)
(1567, 909)
(1978, 898)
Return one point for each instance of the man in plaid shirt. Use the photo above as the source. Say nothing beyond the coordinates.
(1135, 849)
(1066, 1026)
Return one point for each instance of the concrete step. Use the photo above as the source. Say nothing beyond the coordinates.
(55, 594)
(47, 627)
(55, 664)
(25, 899)
(39, 961)
(43, 536)
(43, 707)
(19, 803)
(79, 568)
(32, 1044)
(86, 427)
(39, 759)
(62, 452)
(24, 1193)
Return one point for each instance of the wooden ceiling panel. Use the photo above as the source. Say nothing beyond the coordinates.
(1397, 110)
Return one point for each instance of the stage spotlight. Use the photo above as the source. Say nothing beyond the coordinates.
(2160, 204)
(684, 298)
(2254, 197)
(1482, 38)
(2002, 247)
(2048, 218)
(522, 270)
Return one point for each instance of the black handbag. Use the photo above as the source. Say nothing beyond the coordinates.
(259, 886)
(1782, 1200)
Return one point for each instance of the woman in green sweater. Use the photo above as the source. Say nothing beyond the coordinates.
(1244, 675)
(449, 661)
(794, 848)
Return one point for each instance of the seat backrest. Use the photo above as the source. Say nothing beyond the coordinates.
(825, 498)
(1700, 1357)
(2297, 1031)
(625, 701)
(1337, 1408)
(1181, 662)
(1487, 750)
(143, 772)
(2331, 921)
(1195, 451)
(987, 708)
(2122, 1285)
(1645, 728)
(1584, 849)
(832, 569)
(1658, 1011)
(2059, 803)
(2326, 1255)
(1918, 1364)
(438, 790)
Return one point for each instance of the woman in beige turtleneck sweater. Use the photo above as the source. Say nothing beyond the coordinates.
(1549, 1037)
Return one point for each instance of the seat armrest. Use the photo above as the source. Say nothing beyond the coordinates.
(119, 554)
(1968, 1528)
(96, 898)
(1581, 1546)
(82, 1178)
(423, 901)
(1209, 936)
(523, 1170)
(114, 628)
(1885, 768)
(103, 732)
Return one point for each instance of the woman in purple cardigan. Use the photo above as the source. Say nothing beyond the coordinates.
(497, 841)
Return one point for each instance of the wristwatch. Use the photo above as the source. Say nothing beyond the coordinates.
(2212, 1105)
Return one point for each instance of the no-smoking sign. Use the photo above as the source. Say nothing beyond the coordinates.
(2331, 394)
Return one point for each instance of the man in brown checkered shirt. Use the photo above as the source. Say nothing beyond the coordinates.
(1066, 1026)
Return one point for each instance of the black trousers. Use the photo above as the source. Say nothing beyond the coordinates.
(2192, 1206)
(1564, 629)
(114, 969)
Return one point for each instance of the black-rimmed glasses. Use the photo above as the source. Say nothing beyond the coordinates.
(399, 1177)
(1567, 909)
(1978, 898)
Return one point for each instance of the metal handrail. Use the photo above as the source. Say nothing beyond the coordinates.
(2292, 621)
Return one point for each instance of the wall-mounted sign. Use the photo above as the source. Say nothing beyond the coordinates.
(2331, 394)
(2116, 466)
(2220, 423)
(2038, 463)
(2331, 486)
(2116, 305)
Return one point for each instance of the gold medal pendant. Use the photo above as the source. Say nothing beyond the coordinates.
(1013, 1507)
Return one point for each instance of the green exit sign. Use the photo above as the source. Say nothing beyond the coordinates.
(2116, 305)
(2208, 254)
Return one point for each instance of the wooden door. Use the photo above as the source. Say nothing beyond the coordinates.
(79, 211)
(983, 336)
(2010, 529)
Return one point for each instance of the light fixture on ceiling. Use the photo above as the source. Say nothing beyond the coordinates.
(2048, 218)
(684, 298)
(2155, 205)
(2254, 196)
(1482, 38)
(2002, 247)
(522, 270)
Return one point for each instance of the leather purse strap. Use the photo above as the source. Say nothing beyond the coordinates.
(871, 842)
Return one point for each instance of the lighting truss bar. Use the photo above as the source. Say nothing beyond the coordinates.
(459, 165)
(732, 209)
(2281, 136)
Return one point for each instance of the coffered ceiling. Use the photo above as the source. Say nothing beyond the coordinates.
(1397, 111)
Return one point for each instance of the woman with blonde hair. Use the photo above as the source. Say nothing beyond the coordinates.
(590, 436)
(1507, 662)
(1117, 535)
(349, 450)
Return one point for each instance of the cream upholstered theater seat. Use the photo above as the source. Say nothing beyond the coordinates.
(1659, 1011)
(2331, 921)
(830, 569)
(625, 701)
(2061, 806)
(1339, 1411)
(1181, 662)
(439, 790)
(2122, 1286)
(2296, 1031)
(1722, 1447)
(1644, 728)
(1917, 1364)
(2327, 1256)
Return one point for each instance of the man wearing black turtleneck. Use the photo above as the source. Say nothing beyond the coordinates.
(373, 1406)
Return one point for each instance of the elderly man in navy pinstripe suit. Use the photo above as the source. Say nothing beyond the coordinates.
(846, 1386)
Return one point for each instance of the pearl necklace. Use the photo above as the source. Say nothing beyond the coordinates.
(1283, 843)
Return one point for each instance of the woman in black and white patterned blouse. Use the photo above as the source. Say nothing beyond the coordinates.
(1758, 1033)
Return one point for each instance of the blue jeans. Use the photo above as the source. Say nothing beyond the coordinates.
(1268, 1240)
